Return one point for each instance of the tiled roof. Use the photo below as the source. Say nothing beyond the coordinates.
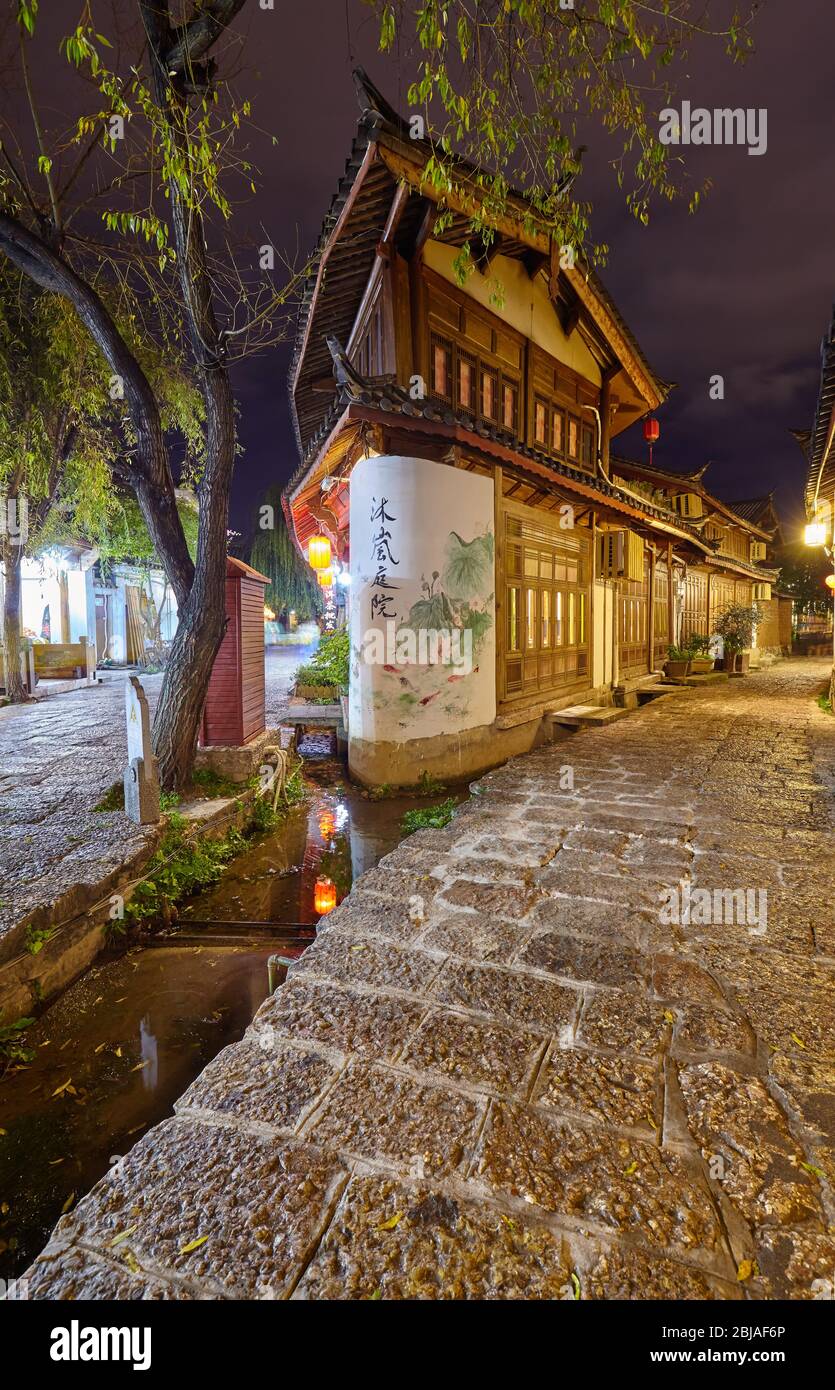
(332, 292)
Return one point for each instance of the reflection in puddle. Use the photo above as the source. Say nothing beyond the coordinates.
(118, 1048)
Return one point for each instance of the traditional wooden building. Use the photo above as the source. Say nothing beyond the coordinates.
(456, 449)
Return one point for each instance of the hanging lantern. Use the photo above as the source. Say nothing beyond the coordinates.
(319, 552)
(830, 581)
(324, 896)
(325, 578)
(815, 533)
(327, 825)
(652, 430)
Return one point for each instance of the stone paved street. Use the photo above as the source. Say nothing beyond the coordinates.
(58, 758)
(502, 1072)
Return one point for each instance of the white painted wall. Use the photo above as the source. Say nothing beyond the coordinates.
(441, 524)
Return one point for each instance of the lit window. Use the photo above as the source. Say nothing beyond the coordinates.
(556, 432)
(440, 370)
(572, 438)
(539, 422)
(488, 395)
(465, 384)
(508, 406)
(530, 624)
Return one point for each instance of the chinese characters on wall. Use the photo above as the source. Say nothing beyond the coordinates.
(382, 590)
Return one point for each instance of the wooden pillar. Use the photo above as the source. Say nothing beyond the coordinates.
(64, 590)
(671, 602)
(606, 414)
(498, 582)
(651, 610)
(707, 605)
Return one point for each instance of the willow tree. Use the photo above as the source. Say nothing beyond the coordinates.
(274, 553)
(146, 162)
(514, 86)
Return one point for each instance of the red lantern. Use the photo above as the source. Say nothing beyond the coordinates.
(652, 433)
(319, 552)
(324, 896)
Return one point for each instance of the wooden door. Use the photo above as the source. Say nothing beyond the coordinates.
(544, 630)
(633, 638)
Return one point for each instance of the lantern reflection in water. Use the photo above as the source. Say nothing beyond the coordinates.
(324, 896)
(327, 825)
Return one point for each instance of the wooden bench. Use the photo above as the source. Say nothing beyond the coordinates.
(65, 661)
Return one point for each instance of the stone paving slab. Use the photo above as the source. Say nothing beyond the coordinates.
(538, 1083)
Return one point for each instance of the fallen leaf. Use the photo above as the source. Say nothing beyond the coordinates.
(392, 1222)
(816, 1172)
(576, 1282)
(99, 1048)
(627, 1172)
(55, 1161)
(118, 1052)
(140, 1066)
(59, 1089)
(131, 1261)
(68, 1203)
(669, 1016)
(377, 1294)
(123, 1235)
(799, 1041)
(746, 1269)
(193, 1244)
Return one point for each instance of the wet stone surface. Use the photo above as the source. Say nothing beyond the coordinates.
(503, 1072)
(58, 758)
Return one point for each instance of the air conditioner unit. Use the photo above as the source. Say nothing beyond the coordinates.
(762, 593)
(757, 551)
(620, 555)
(690, 504)
(610, 554)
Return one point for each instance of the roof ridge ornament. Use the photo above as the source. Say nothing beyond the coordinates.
(372, 103)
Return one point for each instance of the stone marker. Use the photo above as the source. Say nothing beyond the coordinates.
(141, 780)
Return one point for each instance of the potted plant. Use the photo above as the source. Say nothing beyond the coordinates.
(736, 628)
(677, 664)
(701, 662)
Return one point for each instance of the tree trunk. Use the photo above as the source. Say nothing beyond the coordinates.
(12, 561)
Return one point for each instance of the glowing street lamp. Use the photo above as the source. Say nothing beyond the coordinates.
(815, 533)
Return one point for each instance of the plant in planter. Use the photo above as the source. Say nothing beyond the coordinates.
(701, 661)
(678, 663)
(736, 628)
(325, 676)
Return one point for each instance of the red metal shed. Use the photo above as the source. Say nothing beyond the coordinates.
(234, 712)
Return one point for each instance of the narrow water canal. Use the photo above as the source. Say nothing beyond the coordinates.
(118, 1047)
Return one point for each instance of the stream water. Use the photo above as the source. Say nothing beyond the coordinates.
(119, 1046)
